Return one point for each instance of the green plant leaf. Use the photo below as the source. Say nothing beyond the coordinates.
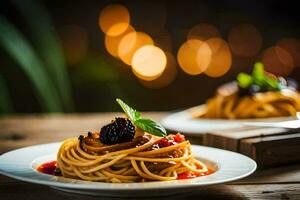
(132, 114)
(94, 68)
(244, 80)
(21, 51)
(151, 127)
(48, 47)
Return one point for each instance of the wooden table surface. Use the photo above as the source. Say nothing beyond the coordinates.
(19, 131)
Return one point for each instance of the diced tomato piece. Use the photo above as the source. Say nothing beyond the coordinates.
(171, 140)
(179, 138)
(164, 142)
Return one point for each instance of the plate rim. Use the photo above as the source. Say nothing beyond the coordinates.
(92, 186)
(184, 116)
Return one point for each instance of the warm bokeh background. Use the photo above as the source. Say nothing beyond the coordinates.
(65, 38)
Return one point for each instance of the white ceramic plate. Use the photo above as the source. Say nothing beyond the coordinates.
(184, 122)
(21, 164)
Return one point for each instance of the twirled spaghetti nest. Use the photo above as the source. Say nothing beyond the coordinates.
(132, 162)
(281, 103)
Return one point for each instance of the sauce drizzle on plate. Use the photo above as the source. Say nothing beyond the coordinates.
(48, 168)
(190, 175)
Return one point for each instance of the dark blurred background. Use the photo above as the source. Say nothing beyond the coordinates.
(79, 75)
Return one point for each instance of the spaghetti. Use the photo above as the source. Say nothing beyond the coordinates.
(257, 95)
(260, 105)
(146, 158)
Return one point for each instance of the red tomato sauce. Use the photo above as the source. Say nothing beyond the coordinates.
(189, 175)
(48, 168)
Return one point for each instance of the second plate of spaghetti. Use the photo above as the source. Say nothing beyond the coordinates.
(259, 96)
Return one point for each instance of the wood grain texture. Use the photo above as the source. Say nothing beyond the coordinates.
(267, 146)
(272, 150)
(20, 131)
(12, 190)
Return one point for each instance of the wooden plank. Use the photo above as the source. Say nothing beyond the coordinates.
(249, 132)
(194, 139)
(221, 141)
(281, 174)
(19, 190)
(230, 138)
(267, 146)
(61, 122)
(19, 131)
(272, 150)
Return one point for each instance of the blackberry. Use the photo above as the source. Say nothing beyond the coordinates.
(119, 131)
(80, 137)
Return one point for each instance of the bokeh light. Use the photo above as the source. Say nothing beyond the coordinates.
(203, 32)
(112, 42)
(245, 40)
(74, 40)
(114, 19)
(130, 43)
(148, 62)
(292, 45)
(278, 61)
(221, 59)
(194, 56)
(167, 77)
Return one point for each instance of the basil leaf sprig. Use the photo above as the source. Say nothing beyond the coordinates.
(147, 125)
(259, 79)
(131, 113)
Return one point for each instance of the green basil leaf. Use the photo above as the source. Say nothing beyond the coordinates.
(146, 125)
(272, 83)
(151, 127)
(131, 113)
(258, 77)
(258, 71)
(244, 80)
